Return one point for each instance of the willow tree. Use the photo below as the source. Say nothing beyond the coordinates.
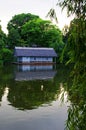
(76, 47)
(76, 51)
(77, 7)
(77, 33)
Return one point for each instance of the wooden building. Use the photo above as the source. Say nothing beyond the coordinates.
(30, 55)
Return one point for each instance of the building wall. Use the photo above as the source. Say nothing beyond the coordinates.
(25, 59)
(41, 59)
(34, 59)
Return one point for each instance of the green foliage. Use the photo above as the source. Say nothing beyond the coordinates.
(76, 51)
(3, 39)
(77, 45)
(14, 29)
(19, 20)
(77, 7)
(7, 56)
(3, 44)
(52, 15)
(14, 38)
(77, 110)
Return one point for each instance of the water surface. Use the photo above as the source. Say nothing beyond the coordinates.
(33, 98)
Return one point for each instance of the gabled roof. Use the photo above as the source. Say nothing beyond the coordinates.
(36, 52)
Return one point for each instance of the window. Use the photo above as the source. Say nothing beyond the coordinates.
(46, 58)
(34, 58)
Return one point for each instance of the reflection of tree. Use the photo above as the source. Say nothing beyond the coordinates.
(5, 78)
(63, 96)
(1, 92)
(76, 91)
(28, 95)
(77, 111)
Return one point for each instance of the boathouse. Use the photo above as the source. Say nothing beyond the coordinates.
(30, 55)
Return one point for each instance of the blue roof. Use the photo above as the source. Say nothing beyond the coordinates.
(36, 52)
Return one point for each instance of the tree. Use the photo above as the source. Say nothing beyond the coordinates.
(3, 43)
(6, 55)
(14, 28)
(3, 39)
(77, 32)
(14, 37)
(52, 15)
(19, 20)
(77, 7)
(76, 47)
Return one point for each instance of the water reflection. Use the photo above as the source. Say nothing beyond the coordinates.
(31, 94)
(32, 88)
(63, 96)
(31, 72)
(1, 92)
(39, 98)
(34, 67)
(43, 102)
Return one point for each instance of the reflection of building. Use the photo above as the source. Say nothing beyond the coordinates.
(34, 67)
(28, 55)
(29, 72)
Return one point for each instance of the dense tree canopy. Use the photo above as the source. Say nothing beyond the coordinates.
(14, 28)
(5, 53)
(20, 19)
(3, 39)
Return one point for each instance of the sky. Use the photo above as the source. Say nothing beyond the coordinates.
(9, 8)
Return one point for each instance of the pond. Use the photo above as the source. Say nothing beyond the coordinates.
(33, 97)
